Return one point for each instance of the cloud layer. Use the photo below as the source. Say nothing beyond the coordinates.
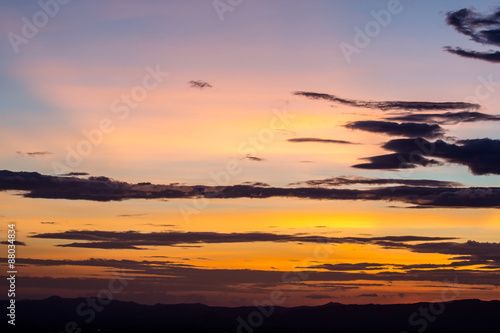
(136, 240)
(105, 189)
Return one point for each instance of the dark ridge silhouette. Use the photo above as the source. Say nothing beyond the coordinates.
(52, 314)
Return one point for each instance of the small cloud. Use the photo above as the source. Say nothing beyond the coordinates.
(15, 243)
(199, 84)
(160, 225)
(314, 296)
(254, 158)
(132, 215)
(367, 295)
(320, 140)
(47, 222)
(74, 174)
(258, 184)
(34, 153)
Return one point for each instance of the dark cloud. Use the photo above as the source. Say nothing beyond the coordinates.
(92, 188)
(15, 243)
(199, 84)
(136, 240)
(345, 267)
(448, 118)
(75, 174)
(48, 222)
(94, 262)
(257, 184)
(351, 267)
(254, 158)
(390, 105)
(482, 156)
(320, 140)
(454, 248)
(35, 153)
(395, 129)
(469, 253)
(367, 295)
(396, 161)
(105, 189)
(344, 181)
(481, 28)
(315, 296)
(491, 56)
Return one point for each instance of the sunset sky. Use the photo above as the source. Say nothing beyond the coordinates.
(217, 151)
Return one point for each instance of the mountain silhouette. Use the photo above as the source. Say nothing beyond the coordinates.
(57, 315)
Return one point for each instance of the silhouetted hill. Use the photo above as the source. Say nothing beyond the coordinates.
(53, 314)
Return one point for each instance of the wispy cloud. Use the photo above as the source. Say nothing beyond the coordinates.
(35, 153)
(481, 28)
(390, 105)
(254, 158)
(320, 140)
(199, 84)
(448, 118)
(15, 243)
(345, 181)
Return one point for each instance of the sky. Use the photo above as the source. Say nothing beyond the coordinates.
(218, 151)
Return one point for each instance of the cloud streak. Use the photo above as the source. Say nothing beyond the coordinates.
(199, 84)
(136, 240)
(35, 153)
(346, 181)
(411, 130)
(389, 105)
(320, 140)
(448, 118)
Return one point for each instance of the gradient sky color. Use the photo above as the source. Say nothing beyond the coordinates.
(82, 66)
